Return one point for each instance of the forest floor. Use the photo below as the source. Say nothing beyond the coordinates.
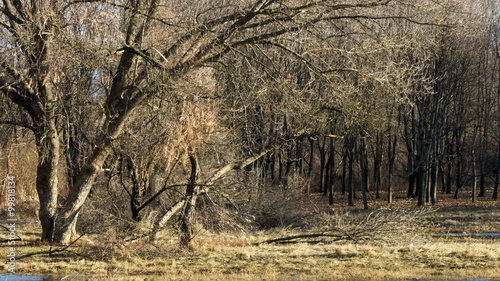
(448, 246)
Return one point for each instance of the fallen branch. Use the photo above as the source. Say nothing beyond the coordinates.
(51, 251)
(290, 239)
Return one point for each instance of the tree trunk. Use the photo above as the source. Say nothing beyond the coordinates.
(495, 188)
(322, 157)
(186, 234)
(326, 180)
(311, 156)
(458, 176)
(65, 225)
(497, 174)
(299, 157)
(434, 162)
(433, 186)
(364, 175)
(421, 169)
(482, 183)
(47, 180)
(350, 179)
(332, 172)
(391, 153)
(420, 180)
(448, 148)
(377, 164)
(345, 159)
(474, 175)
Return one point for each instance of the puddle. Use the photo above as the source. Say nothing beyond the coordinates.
(23, 277)
(478, 234)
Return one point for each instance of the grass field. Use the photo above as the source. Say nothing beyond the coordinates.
(434, 244)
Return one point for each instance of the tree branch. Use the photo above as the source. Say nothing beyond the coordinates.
(15, 123)
(9, 12)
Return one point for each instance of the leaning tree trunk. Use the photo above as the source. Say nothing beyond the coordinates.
(65, 223)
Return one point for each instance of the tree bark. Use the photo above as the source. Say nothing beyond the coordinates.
(350, 180)
(377, 164)
(391, 156)
(47, 180)
(65, 224)
(311, 156)
(322, 164)
(364, 175)
(186, 233)
(458, 175)
(345, 158)
(331, 177)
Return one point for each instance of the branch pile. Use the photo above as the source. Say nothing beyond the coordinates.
(381, 225)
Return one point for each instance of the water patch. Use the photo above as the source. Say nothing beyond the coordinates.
(478, 234)
(23, 278)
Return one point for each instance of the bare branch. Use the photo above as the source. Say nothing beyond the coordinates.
(18, 77)
(15, 123)
(9, 12)
(143, 55)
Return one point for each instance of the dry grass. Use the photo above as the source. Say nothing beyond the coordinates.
(432, 254)
(231, 259)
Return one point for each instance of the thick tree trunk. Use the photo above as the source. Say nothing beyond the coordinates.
(421, 185)
(482, 183)
(433, 184)
(47, 182)
(65, 225)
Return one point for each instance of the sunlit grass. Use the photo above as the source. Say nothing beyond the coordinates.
(433, 253)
